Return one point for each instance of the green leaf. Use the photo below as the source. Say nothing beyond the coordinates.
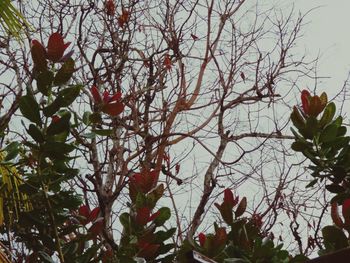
(300, 146)
(241, 207)
(57, 149)
(30, 109)
(334, 237)
(312, 183)
(45, 257)
(53, 107)
(161, 235)
(68, 95)
(44, 82)
(12, 151)
(89, 254)
(125, 220)
(64, 73)
(297, 119)
(328, 114)
(86, 117)
(60, 126)
(35, 133)
(103, 132)
(335, 188)
(329, 133)
(163, 216)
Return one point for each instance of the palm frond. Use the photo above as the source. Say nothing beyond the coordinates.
(11, 20)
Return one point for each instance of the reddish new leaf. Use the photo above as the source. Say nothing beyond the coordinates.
(39, 55)
(346, 212)
(228, 197)
(84, 212)
(147, 250)
(96, 94)
(93, 214)
(142, 216)
(335, 215)
(305, 95)
(56, 47)
(202, 238)
(113, 109)
(96, 227)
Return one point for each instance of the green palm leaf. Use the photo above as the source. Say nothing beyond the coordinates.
(11, 20)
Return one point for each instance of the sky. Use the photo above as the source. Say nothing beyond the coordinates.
(327, 34)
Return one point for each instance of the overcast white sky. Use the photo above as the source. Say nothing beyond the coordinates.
(329, 34)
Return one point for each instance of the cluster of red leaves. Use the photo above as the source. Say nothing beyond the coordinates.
(212, 242)
(147, 250)
(108, 104)
(142, 182)
(227, 205)
(143, 216)
(85, 216)
(313, 105)
(54, 51)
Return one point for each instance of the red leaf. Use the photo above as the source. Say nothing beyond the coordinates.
(117, 96)
(84, 211)
(228, 197)
(220, 237)
(305, 95)
(202, 238)
(142, 216)
(56, 47)
(346, 211)
(154, 216)
(97, 227)
(39, 55)
(93, 214)
(96, 94)
(113, 109)
(147, 250)
(335, 215)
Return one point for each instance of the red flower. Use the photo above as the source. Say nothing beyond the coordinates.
(143, 216)
(108, 104)
(142, 182)
(202, 238)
